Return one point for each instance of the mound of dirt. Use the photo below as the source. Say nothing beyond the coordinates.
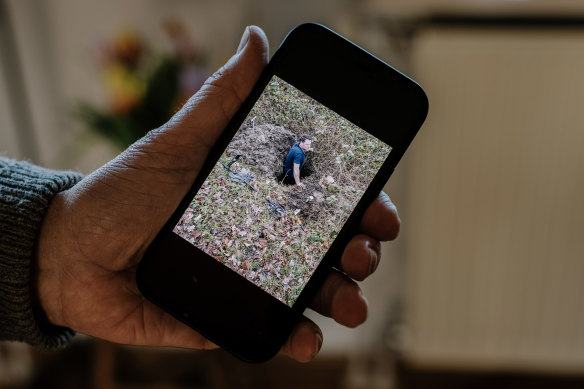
(309, 200)
(263, 146)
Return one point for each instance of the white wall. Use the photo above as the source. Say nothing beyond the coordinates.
(392, 9)
(494, 219)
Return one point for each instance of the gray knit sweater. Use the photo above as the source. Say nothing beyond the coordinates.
(25, 193)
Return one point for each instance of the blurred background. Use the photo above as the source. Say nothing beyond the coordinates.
(484, 286)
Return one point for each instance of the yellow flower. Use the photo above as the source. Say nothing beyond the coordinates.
(124, 88)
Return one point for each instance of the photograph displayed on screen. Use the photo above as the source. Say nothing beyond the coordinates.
(282, 190)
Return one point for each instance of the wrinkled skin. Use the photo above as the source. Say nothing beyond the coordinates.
(94, 234)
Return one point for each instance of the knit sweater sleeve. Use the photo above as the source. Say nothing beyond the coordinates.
(25, 193)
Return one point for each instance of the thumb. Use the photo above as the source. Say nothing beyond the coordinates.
(159, 168)
(193, 130)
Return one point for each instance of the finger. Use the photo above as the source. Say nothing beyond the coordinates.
(163, 164)
(361, 256)
(341, 298)
(304, 341)
(381, 220)
(210, 109)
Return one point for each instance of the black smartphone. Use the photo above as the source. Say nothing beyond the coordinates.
(246, 250)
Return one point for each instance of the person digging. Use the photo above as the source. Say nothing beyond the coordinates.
(295, 161)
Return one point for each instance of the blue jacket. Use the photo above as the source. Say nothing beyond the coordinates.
(295, 155)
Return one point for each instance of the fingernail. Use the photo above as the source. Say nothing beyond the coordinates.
(244, 40)
(373, 261)
(318, 341)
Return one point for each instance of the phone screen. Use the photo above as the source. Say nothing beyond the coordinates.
(282, 190)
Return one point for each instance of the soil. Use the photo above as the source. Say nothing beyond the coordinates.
(264, 147)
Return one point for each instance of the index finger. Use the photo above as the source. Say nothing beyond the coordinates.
(381, 220)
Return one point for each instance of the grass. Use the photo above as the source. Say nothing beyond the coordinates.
(234, 224)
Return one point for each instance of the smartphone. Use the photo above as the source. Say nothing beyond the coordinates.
(247, 249)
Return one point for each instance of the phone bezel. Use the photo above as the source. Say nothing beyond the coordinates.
(219, 303)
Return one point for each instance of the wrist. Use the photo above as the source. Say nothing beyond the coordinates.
(26, 192)
(45, 273)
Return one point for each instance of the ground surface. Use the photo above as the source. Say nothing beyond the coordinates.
(237, 225)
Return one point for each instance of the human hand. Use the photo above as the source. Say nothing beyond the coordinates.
(94, 234)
